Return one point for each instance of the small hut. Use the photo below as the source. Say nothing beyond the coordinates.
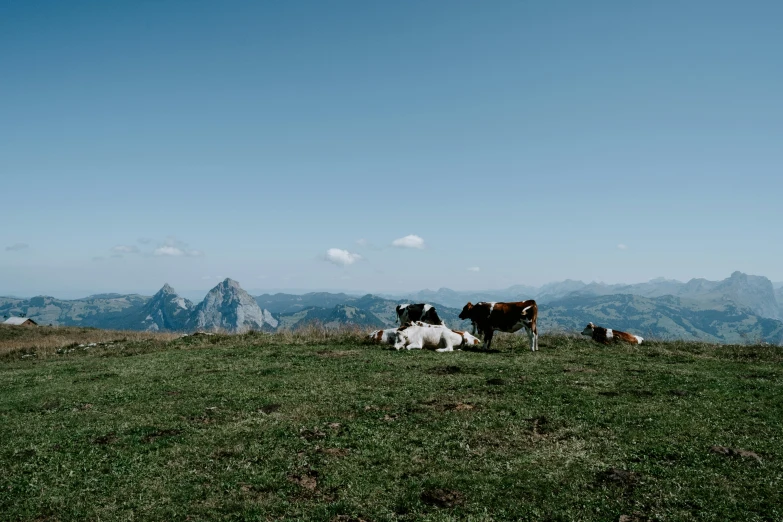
(20, 321)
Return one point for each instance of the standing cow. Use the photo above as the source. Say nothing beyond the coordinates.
(506, 317)
(408, 313)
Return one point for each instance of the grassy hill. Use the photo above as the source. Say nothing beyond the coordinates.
(318, 425)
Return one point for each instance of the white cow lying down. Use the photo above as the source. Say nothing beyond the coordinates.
(383, 336)
(443, 339)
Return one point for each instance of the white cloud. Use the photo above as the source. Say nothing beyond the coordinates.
(474, 269)
(168, 251)
(341, 257)
(362, 242)
(17, 247)
(410, 241)
(172, 247)
(622, 246)
(125, 249)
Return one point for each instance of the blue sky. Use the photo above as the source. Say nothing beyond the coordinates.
(149, 142)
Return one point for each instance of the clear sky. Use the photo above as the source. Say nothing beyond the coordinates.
(291, 144)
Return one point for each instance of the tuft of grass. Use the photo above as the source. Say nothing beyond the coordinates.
(321, 425)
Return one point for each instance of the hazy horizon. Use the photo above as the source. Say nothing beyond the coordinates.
(387, 147)
(198, 294)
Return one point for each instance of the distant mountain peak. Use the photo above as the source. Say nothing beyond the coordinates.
(230, 283)
(229, 307)
(166, 310)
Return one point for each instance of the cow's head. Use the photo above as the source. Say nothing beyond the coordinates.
(469, 340)
(589, 329)
(466, 310)
(400, 339)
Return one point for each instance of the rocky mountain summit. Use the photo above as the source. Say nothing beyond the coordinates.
(166, 310)
(229, 307)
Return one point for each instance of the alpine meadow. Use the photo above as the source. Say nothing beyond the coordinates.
(351, 261)
(320, 425)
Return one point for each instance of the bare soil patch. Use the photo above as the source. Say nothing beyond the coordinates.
(442, 498)
(619, 477)
(109, 438)
(735, 452)
(152, 437)
(445, 370)
(269, 408)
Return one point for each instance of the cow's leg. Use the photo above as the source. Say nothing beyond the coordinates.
(531, 337)
(535, 334)
(488, 338)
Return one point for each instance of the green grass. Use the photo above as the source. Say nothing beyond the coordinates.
(282, 427)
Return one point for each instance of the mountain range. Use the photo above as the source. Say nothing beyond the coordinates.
(755, 292)
(740, 308)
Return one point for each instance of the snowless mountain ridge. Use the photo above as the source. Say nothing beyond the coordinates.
(737, 309)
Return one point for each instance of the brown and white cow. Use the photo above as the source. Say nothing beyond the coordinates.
(506, 317)
(383, 336)
(607, 335)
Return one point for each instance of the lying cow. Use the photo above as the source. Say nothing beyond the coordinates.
(506, 317)
(429, 336)
(607, 335)
(408, 313)
(383, 336)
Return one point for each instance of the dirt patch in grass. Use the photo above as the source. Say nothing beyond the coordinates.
(579, 370)
(159, 434)
(442, 498)
(336, 452)
(539, 425)
(269, 408)
(25, 454)
(496, 381)
(460, 406)
(445, 370)
(109, 438)
(51, 405)
(308, 481)
(679, 393)
(735, 452)
(311, 434)
(619, 477)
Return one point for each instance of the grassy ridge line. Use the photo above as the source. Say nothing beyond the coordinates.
(43, 342)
